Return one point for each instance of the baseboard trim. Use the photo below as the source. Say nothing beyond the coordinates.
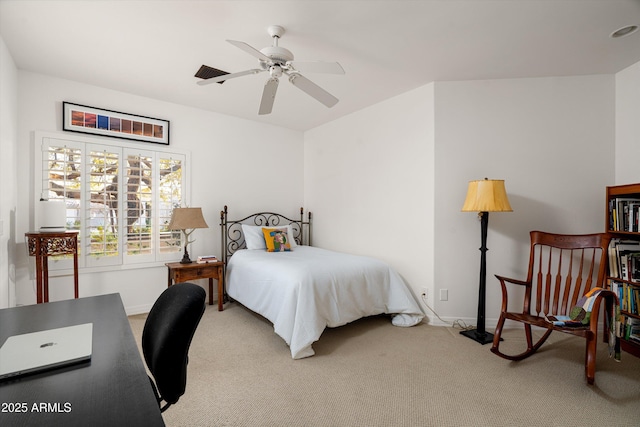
(138, 309)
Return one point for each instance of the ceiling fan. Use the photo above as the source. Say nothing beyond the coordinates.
(278, 61)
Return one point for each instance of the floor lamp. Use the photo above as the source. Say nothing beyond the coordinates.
(484, 196)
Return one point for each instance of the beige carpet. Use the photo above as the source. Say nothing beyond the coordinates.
(371, 373)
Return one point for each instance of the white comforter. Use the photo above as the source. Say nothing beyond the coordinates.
(303, 291)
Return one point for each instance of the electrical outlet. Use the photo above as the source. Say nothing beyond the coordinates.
(444, 294)
(425, 293)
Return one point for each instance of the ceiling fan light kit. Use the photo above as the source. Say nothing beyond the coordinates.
(279, 61)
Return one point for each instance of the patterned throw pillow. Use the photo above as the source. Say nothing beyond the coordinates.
(277, 239)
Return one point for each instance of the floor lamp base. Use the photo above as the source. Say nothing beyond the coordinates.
(482, 338)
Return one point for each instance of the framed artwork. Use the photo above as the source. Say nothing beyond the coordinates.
(97, 121)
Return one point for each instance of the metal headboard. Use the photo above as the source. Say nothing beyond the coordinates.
(233, 238)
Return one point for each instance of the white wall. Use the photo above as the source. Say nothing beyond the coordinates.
(8, 167)
(628, 125)
(232, 163)
(369, 184)
(390, 180)
(551, 140)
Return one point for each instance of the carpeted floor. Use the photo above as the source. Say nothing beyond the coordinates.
(371, 373)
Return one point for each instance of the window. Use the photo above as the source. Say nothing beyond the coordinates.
(118, 197)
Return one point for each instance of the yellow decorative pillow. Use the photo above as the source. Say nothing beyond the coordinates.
(277, 239)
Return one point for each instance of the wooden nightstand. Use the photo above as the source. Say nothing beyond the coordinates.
(179, 273)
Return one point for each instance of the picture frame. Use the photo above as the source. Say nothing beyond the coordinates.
(98, 121)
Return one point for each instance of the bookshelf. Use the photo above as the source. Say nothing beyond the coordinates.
(622, 223)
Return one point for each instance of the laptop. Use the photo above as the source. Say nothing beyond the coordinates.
(44, 350)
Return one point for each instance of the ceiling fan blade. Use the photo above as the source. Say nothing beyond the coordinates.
(228, 76)
(268, 96)
(312, 89)
(317, 67)
(205, 72)
(250, 50)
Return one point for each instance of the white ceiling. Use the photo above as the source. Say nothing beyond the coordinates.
(154, 48)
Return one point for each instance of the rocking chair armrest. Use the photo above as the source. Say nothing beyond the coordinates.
(505, 294)
(596, 307)
(503, 280)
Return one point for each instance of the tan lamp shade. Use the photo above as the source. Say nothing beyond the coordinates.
(486, 195)
(187, 218)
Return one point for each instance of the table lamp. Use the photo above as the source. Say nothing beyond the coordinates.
(484, 196)
(187, 219)
(52, 215)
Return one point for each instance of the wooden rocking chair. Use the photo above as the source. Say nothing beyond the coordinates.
(562, 269)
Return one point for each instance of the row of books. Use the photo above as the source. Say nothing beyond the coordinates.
(206, 259)
(624, 214)
(630, 329)
(624, 259)
(628, 295)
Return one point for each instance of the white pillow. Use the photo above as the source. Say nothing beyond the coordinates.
(255, 239)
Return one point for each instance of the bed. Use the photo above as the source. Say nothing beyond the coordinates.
(272, 269)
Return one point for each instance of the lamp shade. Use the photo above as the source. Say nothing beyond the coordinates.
(52, 215)
(487, 195)
(187, 218)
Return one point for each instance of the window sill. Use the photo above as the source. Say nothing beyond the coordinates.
(89, 270)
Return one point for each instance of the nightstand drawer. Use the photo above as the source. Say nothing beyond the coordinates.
(179, 273)
(191, 274)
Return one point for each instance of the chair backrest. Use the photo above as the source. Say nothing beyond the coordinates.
(562, 268)
(167, 335)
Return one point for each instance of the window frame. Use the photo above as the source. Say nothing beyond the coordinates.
(86, 263)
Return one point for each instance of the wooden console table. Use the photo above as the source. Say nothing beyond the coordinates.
(179, 273)
(42, 245)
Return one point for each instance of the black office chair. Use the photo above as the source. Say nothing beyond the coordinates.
(166, 338)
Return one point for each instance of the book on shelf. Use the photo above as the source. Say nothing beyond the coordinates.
(613, 260)
(624, 272)
(205, 259)
(634, 211)
(633, 331)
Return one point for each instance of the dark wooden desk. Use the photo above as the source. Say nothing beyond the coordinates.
(42, 245)
(113, 390)
(180, 273)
